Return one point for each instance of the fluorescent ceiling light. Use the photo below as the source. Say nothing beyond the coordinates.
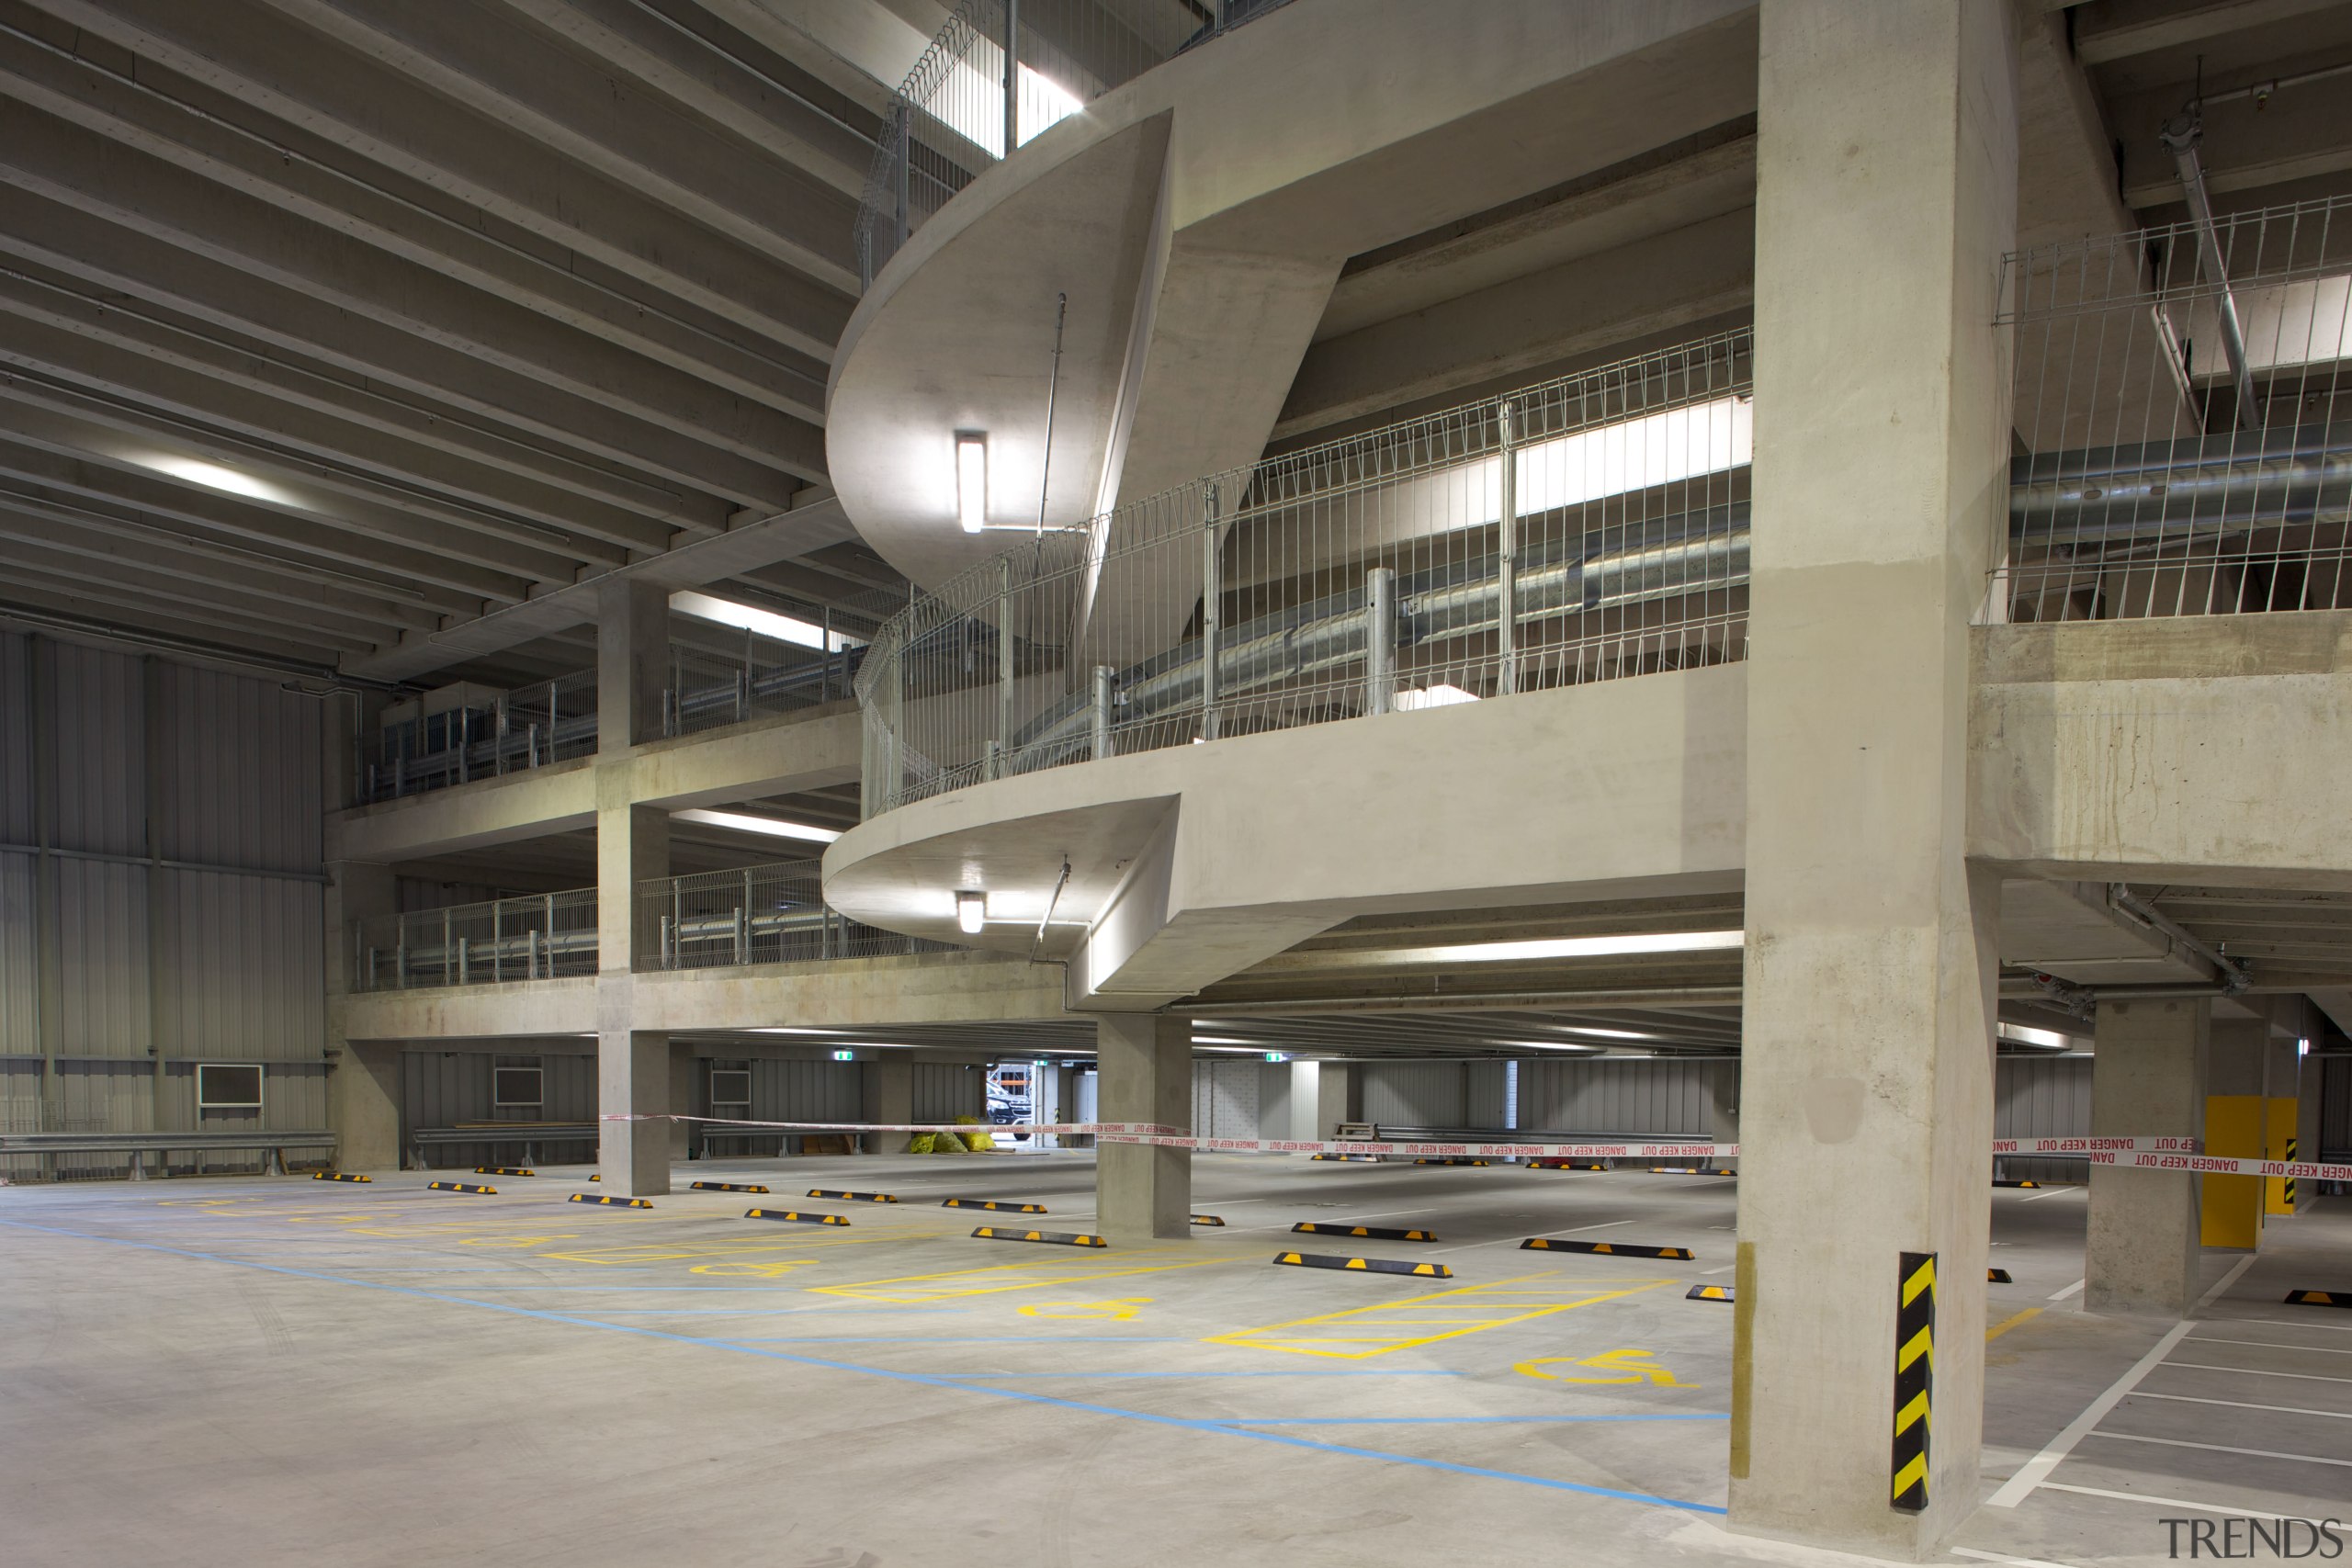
(1539, 948)
(766, 623)
(1603, 1034)
(787, 1029)
(971, 480)
(1552, 1046)
(1438, 696)
(971, 912)
(2024, 1036)
(1222, 1040)
(214, 476)
(774, 827)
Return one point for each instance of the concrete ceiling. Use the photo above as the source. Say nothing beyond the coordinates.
(359, 336)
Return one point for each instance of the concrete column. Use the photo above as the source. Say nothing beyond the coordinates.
(2140, 1247)
(633, 1071)
(363, 1077)
(632, 663)
(890, 1089)
(2234, 1107)
(1336, 1095)
(1146, 1060)
(1725, 1092)
(633, 1079)
(364, 1104)
(683, 1066)
(1887, 164)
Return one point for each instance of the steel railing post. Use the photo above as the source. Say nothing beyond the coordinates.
(1011, 76)
(747, 913)
(497, 954)
(1379, 641)
(904, 115)
(1003, 663)
(1212, 590)
(1099, 711)
(1507, 560)
(448, 951)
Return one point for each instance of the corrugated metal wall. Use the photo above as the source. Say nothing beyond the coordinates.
(442, 1088)
(945, 1090)
(2336, 1105)
(1414, 1094)
(1649, 1097)
(160, 889)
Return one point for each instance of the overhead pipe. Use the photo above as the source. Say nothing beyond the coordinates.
(2180, 137)
(2233, 976)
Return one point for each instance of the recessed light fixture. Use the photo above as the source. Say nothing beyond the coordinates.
(216, 476)
(1538, 948)
(766, 623)
(774, 827)
(971, 912)
(971, 480)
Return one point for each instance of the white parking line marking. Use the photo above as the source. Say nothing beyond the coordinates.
(1601, 1227)
(2253, 1372)
(2267, 1345)
(2221, 1448)
(2280, 1323)
(2059, 1192)
(1724, 1269)
(2241, 1405)
(2226, 1281)
(2074, 1289)
(2231, 1508)
(2035, 1471)
(1999, 1557)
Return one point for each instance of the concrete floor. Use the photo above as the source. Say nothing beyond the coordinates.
(258, 1372)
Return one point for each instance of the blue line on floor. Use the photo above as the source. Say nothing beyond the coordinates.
(923, 1380)
(1438, 1420)
(1367, 1373)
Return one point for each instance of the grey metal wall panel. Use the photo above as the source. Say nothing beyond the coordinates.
(2042, 1097)
(16, 739)
(806, 1092)
(239, 771)
(945, 1090)
(1226, 1098)
(1484, 1094)
(294, 1094)
(104, 1096)
(1413, 1094)
(102, 967)
(2335, 1106)
(240, 972)
(1273, 1099)
(1649, 1097)
(97, 714)
(19, 972)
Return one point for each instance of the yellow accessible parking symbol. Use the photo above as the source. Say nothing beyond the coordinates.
(1612, 1366)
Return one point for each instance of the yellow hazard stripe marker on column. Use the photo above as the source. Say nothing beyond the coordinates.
(1915, 1377)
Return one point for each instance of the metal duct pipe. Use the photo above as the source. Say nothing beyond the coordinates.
(2180, 137)
(2210, 484)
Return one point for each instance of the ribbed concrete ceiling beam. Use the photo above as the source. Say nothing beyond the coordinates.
(176, 396)
(151, 582)
(253, 58)
(484, 57)
(271, 394)
(202, 566)
(61, 236)
(701, 78)
(74, 602)
(160, 121)
(68, 163)
(227, 515)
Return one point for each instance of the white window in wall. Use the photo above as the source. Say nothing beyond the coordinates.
(730, 1089)
(228, 1086)
(517, 1088)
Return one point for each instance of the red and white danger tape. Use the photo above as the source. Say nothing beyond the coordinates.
(2132, 1153)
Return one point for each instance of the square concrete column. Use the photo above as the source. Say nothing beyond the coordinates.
(890, 1090)
(632, 663)
(2141, 1246)
(633, 1080)
(363, 1103)
(1887, 165)
(633, 1072)
(1143, 1190)
(2235, 1108)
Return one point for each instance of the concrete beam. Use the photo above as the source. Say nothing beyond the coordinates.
(1586, 306)
(558, 798)
(2300, 132)
(250, 388)
(853, 993)
(107, 573)
(59, 236)
(484, 56)
(2108, 30)
(520, 1008)
(107, 178)
(272, 172)
(347, 100)
(2120, 750)
(113, 609)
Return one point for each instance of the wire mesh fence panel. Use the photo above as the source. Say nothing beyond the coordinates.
(1582, 529)
(709, 689)
(537, 936)
(757, 914)
(476, 733)
(956, 114)
(2177, 393)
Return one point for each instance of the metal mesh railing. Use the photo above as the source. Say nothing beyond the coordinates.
(707, 689)
(539, 936)
(2176, 392)
(954, 116)
(503, 732)
(1585, 528)
(757, 914)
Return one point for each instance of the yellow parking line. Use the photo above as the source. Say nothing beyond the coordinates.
(1401, 1325)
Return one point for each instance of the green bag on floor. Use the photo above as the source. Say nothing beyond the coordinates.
(921, 1143)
